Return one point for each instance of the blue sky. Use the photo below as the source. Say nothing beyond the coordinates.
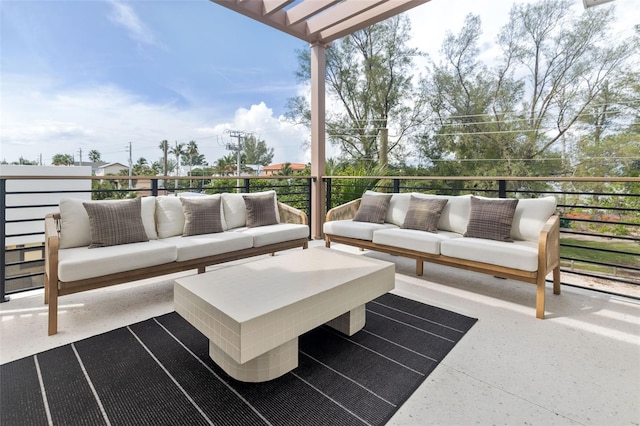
(93, 74)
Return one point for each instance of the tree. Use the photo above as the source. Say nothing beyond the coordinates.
(256, 151)
(369, 74)
(511, 119)
(178, 151)
(164, 146)
(141, 168)
(94, 156)
(62, 160)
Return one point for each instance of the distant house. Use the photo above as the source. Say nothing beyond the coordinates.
(94, 166)
(275, 169)
(110, 169)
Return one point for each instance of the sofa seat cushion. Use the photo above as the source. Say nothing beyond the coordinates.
(522, 255)
(79, 263)
(271, 234)
(353, 229)
(411, 239)
(198, 246)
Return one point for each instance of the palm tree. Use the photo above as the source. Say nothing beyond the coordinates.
(178, 151)
(190, 155)
(94, 156)
(62, 160)
(164, 146)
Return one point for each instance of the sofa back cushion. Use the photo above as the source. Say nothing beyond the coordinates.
(74, 221)
(530, 216)
(112, 224)
(170, 216)
(235, 208)
(398, 206)
(202, 215)
(455, 215)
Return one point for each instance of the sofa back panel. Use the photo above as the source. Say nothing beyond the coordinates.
(235, 209)
(530, 216)
(74, 221)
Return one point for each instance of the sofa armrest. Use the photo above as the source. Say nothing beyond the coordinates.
(51, 247)
(549, 245)
(290, 214)
(344, 211)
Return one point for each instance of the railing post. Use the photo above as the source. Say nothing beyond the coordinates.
(328, 191)
(309, 216)
(396, 186)
(502, 188)
(154, 187)
(3, 240)
(247, 185)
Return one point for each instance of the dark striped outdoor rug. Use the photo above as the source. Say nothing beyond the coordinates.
(158, 372)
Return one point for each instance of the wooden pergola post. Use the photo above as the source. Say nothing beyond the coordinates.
(318, 113)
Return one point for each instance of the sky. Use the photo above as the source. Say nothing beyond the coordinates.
(81, 75)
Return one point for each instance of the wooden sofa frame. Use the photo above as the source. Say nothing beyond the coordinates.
(54, 288)
(548, 255)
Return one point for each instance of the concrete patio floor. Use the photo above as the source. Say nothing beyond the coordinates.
(580, 366)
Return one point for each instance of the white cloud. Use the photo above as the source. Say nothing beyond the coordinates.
(39, 118)
(124, 16)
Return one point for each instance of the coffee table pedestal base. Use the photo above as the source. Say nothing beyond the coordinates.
(268, 366)
(351, 322)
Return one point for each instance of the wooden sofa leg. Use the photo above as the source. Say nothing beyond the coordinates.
(53, 311)
(556, 280)
(419, 267)
(540, 290)
(327, 242)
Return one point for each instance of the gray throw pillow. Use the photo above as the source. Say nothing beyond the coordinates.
(423, 214)
(491, 218)
(201, 215)
(115, 223)
(260, 210)
(373, 208)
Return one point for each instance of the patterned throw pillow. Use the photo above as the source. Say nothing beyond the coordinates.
(201, 215)
(423, 214)
(491, 219)
(115, 223)
(260, 210)
(373, 208)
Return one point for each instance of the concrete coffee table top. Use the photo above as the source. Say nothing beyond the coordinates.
(253, 312)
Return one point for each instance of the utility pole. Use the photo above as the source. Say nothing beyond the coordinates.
(239, 135)
(130, 166)
(80, 152)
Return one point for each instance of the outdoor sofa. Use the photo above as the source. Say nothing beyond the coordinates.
(93, 244)
(508, 238)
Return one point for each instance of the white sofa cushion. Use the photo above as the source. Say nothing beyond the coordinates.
(235, 208)
(74, 221)
(352, 229)
(521, 255)
(411, 239)
(455, 215)
(198, 246)
(79, 263)
(170, 216)
(530, 216)
(398, 206)
(271, 234)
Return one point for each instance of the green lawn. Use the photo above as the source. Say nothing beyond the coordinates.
(599, 256)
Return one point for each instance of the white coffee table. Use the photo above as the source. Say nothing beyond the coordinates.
(254, 312)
